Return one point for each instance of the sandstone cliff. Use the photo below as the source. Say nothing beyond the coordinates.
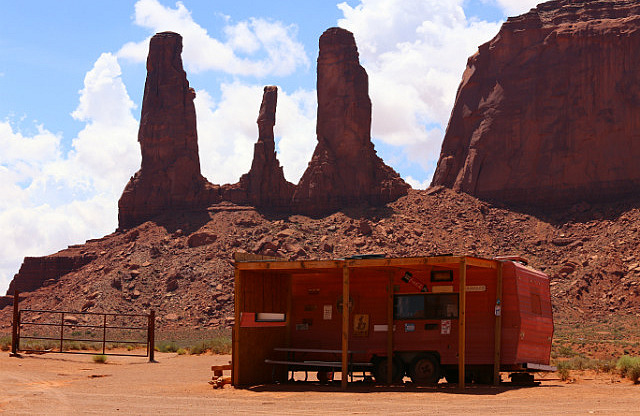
(169, 178)
(548, 112)
(345, 168)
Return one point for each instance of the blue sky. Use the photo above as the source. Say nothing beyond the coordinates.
(72, 75)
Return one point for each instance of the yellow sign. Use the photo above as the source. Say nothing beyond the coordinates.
(360, 325)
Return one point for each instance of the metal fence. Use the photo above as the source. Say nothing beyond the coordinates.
(68, 332)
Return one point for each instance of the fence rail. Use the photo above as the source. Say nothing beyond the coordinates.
(64, 324)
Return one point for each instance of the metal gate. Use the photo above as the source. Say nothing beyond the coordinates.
(60, 331)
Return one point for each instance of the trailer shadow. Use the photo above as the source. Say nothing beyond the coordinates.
(364, 388)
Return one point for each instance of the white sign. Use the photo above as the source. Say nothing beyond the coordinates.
(445, 326)
(328, 311)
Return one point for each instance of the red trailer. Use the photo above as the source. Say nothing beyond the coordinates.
(459, 317)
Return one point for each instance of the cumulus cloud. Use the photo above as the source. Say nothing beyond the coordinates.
(517, 7)
(414, 53)
(226, 132)
(52, 199)
(256, 47)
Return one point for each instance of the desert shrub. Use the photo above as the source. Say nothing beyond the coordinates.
(5, 343)
(218, 345)
(181, 351)
(166, 346)
(629, 367)
(564, 370)
(566, 351)
(100, 359)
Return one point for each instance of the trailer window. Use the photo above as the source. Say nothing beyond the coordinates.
(426, 306)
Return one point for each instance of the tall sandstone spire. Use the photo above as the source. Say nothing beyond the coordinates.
(265, 185)
(344, 169)
(548, 111)
(169, 178)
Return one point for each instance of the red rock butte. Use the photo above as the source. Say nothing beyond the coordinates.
(344, 168)
(169, 177)
(548, 111)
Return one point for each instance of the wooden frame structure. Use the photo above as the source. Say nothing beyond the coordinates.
(276, 296)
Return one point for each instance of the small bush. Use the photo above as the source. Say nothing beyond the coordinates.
(167, 346)
(100, 359)
(5, 343)
(181, 351)
(629, 367)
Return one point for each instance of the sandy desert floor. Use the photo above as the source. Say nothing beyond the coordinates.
(59, 384)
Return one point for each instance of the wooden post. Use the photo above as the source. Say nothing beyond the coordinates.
(234, 332)
(461, 322)
(345, 326)
(498, 328)
(151, 334)
(390, 329)
(15, 338)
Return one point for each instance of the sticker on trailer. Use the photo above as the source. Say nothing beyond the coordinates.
(380, 328)
(328, 311)
(302, 327)
(409, 327)
(477, 288)
(445, 327)
(361, 325)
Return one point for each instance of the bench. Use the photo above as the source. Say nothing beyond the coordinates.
(316, 365)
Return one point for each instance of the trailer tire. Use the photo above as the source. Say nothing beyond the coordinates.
(424, 369)
(380, 370)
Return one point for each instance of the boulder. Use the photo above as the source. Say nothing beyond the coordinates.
(344, 169)
(548, 111)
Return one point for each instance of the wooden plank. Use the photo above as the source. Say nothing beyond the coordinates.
(462, 322)
(484, 263)
(404, 261)
(345, 327)
(238, 298)
(291, 265)
(498, 329)
(390, 329)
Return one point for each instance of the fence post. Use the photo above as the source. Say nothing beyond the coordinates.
(15, 333)
(151, 336)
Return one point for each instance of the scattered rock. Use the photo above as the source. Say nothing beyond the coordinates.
(201, 239)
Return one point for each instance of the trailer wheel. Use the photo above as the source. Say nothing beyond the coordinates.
(380, 371)
(424, 369)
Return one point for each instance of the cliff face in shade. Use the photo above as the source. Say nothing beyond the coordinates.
(345, 168)
(548, 112)
(36, 272)
(265, 185)
(169, 177)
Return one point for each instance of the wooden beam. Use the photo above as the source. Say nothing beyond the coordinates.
(345, 327)
(290, 265)
(238, 300)
(462, 322)
(484, 263)
(390, 329)
(498, 328)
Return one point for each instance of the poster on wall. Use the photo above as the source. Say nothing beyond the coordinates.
(445, 326)
(328, 310)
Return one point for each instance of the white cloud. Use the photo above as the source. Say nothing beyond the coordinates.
(414, 53)
(271, 46)
(227, 131)
(517, 7)
(416, 184)
(51, 199)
